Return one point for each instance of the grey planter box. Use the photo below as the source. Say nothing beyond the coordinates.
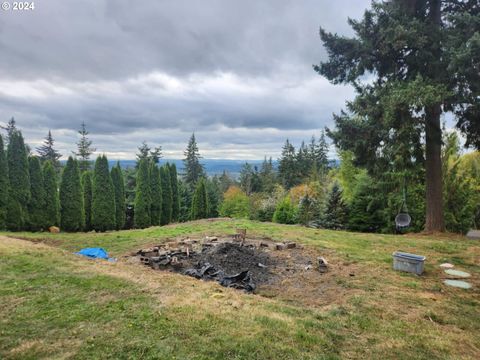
(408, 262)
(473, 234)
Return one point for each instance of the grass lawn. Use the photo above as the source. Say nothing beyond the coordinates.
(58, 305)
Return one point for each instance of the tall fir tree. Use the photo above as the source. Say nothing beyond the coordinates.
(10, 128)
(84, 149)
(52, 205)
(167, 199)
(19, 182)
(156, 189)
(143, 198)
(48, 152)
(200, 206)
(72, 213)
(410, 62)
(335, 216)
(214, 196)
(267, 176)
(287, 166)
(194, 170)
(36, 205)
(119, 188)
(87, 185)
(103, 197)
(175, 193)
(3, 186)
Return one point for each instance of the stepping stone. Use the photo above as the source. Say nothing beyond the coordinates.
(447, 266)
(473, 234)
(457, 273)
(458, 284)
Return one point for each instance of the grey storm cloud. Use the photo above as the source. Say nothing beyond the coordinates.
(238, 73)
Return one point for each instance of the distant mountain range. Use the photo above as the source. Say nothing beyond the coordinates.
(212, 166)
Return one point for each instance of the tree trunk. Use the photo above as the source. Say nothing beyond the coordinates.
(434, 184)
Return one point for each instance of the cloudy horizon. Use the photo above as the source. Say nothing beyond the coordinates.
(238, 74)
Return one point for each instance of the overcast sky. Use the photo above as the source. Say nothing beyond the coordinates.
(237, 73)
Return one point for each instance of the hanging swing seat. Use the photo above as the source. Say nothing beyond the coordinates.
(403, 220)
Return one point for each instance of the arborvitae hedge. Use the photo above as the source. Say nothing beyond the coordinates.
(156, 189)
(199, 208)
(72, 214)
(36, 205)
(119, 188)
(175, 195)
(103, 197)
(166, 217)
(142, 196)
(52, 206)
(19, 180)
(87, 198)
(3, 186)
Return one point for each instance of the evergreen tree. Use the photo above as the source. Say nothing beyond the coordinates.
(143, 198)
(72, 213)
(246, 178)
(85, 149)
(307, 210)
(156, 154)
(36, 205)
(3, 186)
(267, 176)
(200, 205)
(19, 181)
(287, 166)
(185, 196)
(119, 188)
(143, 152)
(225, 182)
(10, 128)
(52, 205)
(175, 194)
(321, 154)
(409, 62)
(194, 171)
(167, 200)
(335, 216)
(103, 197)
(47, 151)
(87, 185)
(156, 189)
(303, 162)
(214, 196)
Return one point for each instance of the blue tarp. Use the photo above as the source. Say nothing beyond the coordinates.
(94, 253)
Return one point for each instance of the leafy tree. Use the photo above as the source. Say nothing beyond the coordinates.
(175, 194)
(143, 198)
(52, 205)
(3, 186)
(287, 166)
(347, 174)
(47, 151)
(286, 212)
(19, 182)
(194, 171)
(72, 213)
(409, 62)
(103, 197)
(87, 186)
(235, 203)
(84, 149)
(36, 205)
(156, 189)
(335, 216)
(119, 190)
(167, 200)
(200, 204)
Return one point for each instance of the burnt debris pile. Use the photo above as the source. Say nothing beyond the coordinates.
(230, 263)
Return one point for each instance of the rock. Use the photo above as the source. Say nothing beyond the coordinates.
(322, 264)
(457, 273)
(280, 246)
(291, 245)
(211, 238)
(447, 266)
(473, 234)
(263, 244)
(262, 266)
(308, 267)
(54, 229)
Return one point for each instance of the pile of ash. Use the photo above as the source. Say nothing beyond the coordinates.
(232, 264)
